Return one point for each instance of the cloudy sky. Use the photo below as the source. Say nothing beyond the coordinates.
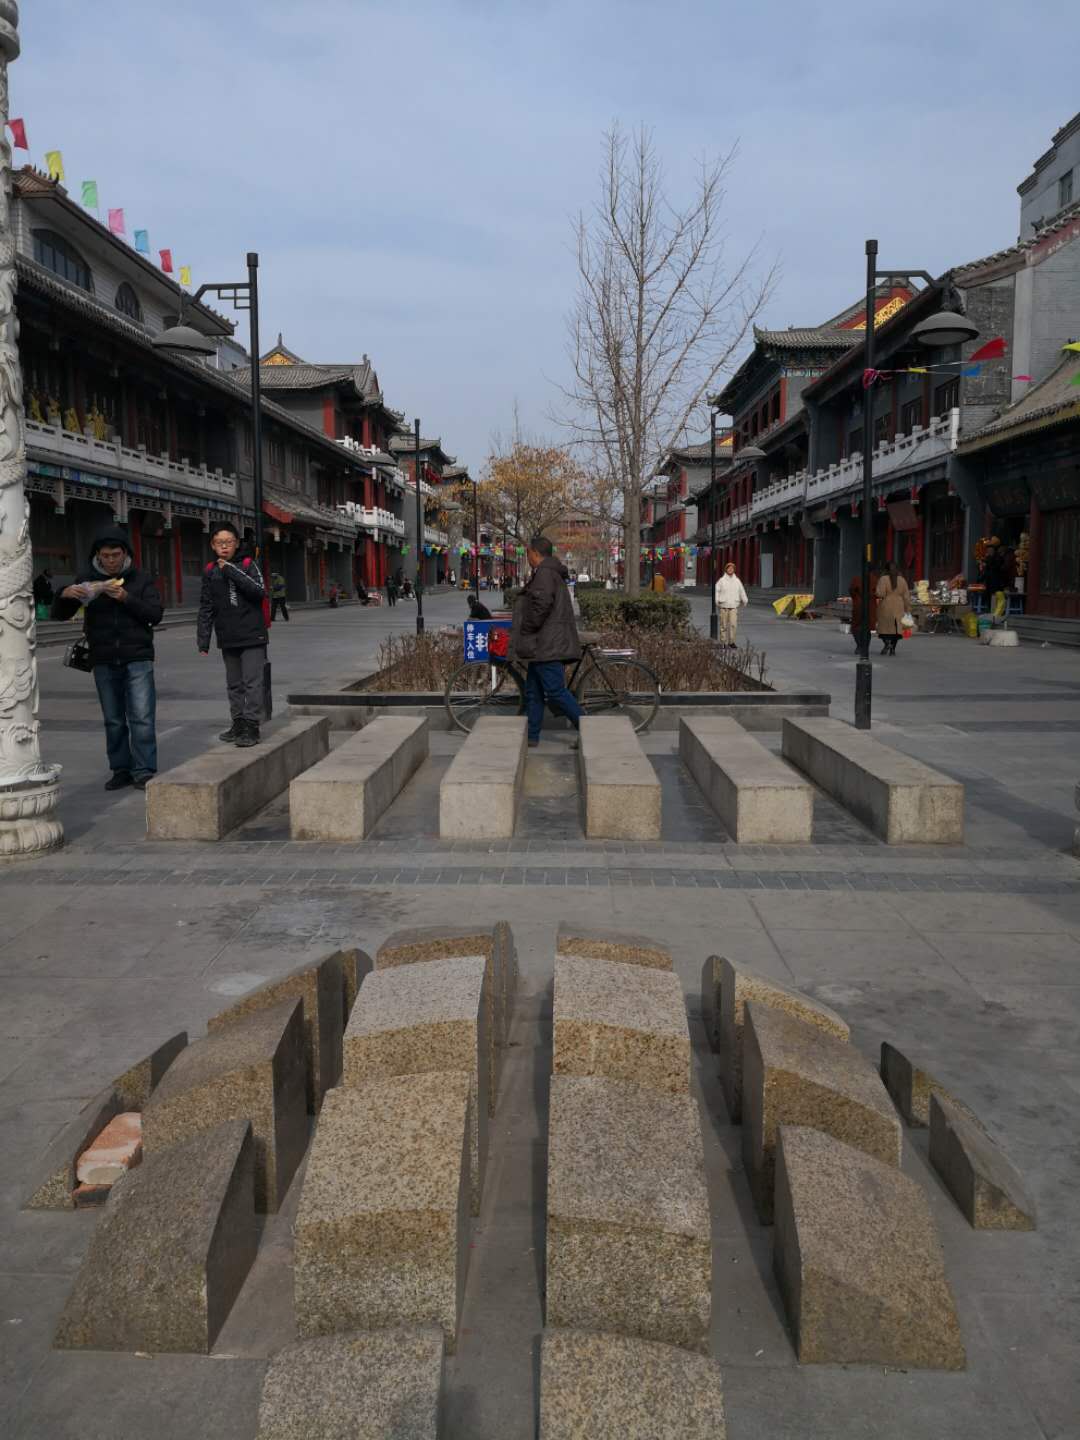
(409, 169)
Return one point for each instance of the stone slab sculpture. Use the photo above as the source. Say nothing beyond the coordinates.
(368, 1385)
(983, 1181)
(355, 964)
(53, 1187)
(596, 1385)
(858, 1260)
(626, 1022)
(170, 1250)
(725, 989)
(599, 944)
(416, 1018)
(321, 988)
(252, 1070)
(908, 1080)
(382, 1233)
(628, 1240)
(796, 1074)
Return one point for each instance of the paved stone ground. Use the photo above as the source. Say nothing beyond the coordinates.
(974, 953)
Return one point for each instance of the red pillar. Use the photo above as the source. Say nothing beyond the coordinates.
(1031, 588)
(920, 548)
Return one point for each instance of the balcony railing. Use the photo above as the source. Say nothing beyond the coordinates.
(435, 537)
(86, 452)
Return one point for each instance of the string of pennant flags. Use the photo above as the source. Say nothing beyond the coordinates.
(54, 165)
(993, 350)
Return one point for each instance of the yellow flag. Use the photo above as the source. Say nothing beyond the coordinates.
(55, 161)
(185, 275)
(1073, 345)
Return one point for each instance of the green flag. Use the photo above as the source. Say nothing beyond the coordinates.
(89, 194)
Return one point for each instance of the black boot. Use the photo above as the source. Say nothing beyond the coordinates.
(249, 734)
(233, 733)
(120, 780)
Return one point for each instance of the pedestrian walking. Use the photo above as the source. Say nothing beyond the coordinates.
(122, 608)
(231, 607)
(894, 598)
(43, 593)
(278, 597)
(730, 594)
(391, 590)
(362, 592)
(544, 635)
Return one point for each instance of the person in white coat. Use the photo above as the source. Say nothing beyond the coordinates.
(729, 596)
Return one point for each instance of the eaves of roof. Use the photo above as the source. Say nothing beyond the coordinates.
(1015, 257)
(854, 357)
(1054, 401)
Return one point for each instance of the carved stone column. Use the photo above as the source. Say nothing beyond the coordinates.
(28, 788)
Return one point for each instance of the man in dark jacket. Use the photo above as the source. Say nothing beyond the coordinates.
(232, 606)
(545, 635)
(122, 607)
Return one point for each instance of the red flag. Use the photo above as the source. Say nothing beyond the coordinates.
(18, 134)
(992, 350)
(166, 261)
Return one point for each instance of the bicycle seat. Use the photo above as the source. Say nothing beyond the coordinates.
(589, 637)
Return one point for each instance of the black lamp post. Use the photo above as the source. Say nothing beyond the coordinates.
(184, 339)
(714, 619)
(476, 537)
(944, 328)
(419, 533)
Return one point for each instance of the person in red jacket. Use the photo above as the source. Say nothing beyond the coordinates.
(231, 606)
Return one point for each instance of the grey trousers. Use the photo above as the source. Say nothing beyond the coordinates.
(243, 680)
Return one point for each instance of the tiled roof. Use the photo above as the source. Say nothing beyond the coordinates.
(455, 472)
(301, 507)
(405, 445)
(1014, 254)
(1052, 401)
(806, 338)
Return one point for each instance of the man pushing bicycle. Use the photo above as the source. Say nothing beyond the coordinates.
(544, 635)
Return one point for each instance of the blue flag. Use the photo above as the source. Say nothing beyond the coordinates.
(142, 241)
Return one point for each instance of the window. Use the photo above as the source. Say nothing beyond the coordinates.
(947, 397)
(775, 408)
(1060, 570)
(54, 252)
(910, 416)
(276, 448)
(1065, 189)
(127, 302)
(855, 443)
(883, 429)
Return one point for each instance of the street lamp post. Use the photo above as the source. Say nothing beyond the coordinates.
(944, 328)
(476, 537)
(419, 532)
(184, 339)
(714, 618)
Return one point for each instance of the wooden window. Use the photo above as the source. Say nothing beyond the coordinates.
(910, 416)
(1060, 570)
(277, 452)
(883, 428)
(54, 252)
(947, 396)
(127, 302)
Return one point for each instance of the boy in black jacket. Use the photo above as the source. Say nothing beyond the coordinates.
(122, 608)
(232, 605)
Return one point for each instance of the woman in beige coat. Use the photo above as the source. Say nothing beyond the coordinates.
(894, 599)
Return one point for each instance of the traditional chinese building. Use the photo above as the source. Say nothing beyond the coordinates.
(436, 496)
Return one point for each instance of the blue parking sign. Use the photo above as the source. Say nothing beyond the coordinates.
(477, 637)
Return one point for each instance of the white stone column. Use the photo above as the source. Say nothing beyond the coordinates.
(28, 788)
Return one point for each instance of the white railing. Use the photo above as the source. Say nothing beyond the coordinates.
(890, 460)
(435, 537)
(86, 452)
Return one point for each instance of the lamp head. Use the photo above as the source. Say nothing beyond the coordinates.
(944, 328)
(184, 340)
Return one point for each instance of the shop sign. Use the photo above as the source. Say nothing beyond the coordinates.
(1057, 492)
(1008, 497)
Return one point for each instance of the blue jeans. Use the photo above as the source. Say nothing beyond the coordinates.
(128, 703)
(545, 680)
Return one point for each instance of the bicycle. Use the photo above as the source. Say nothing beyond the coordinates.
(603, 681)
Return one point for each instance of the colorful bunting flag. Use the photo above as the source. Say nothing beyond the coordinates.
(972, 370)
(116, 222)
(142, 241)
(1073, 345)
(1076, 379)
(992, 350)
(18, 134)
(185, 275)
(54, 162)
(89, 194)
(166, 261)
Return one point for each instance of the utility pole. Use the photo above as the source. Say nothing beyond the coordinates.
(419, 532)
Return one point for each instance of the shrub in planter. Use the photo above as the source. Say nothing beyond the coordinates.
(651, 610)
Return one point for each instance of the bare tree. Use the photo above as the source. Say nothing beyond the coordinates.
(659, 315)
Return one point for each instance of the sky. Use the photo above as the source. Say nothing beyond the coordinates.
(410, 172)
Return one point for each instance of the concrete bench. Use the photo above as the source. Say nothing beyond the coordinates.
(341, 798)
(900, 799)
(205, 798)
(620, 788)
(758, 797)
(480, 792)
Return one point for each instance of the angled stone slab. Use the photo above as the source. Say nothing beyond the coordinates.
(900, 799)
(620, 789)
(796, 1074)
(416, 1018)
(53, 1187)
(759, 798)
(170, 1251)
(725, 989)
(598, 944)
(625, 1022)
(382, 1233)
(370, 1385)
(444, 942)
(908, 1080)
(596, 1385)
(355, 964)
(859, 1261)
(480, 793)
(321, 988)
(254, 1070)
(206, 798)
(628, 1240)
(985, 1184)
(341, 798)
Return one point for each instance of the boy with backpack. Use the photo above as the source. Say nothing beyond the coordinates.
(233, 606)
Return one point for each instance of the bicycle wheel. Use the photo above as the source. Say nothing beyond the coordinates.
(626, 687)
(480, 688)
